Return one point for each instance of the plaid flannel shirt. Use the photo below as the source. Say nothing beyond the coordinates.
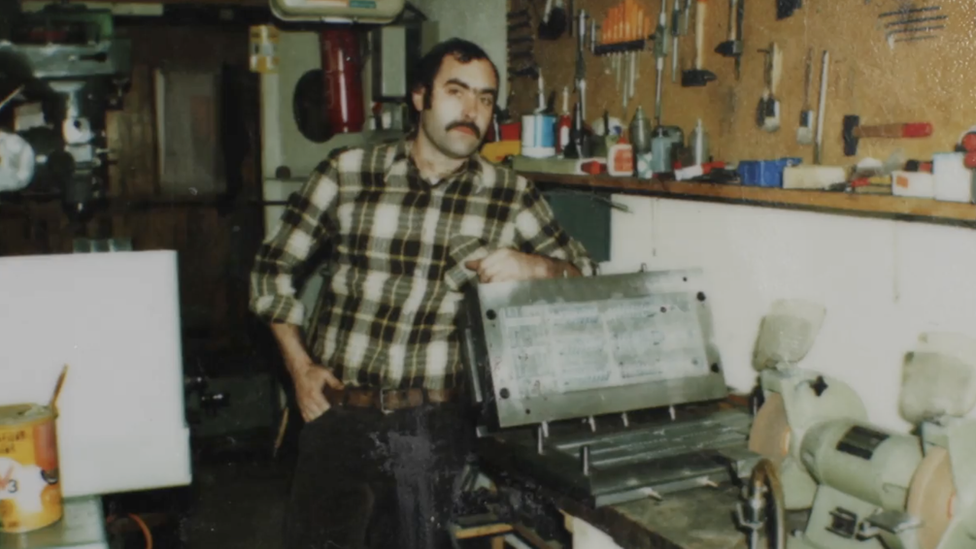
(397, 248)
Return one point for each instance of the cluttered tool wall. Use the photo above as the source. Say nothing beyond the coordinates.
(890, 61)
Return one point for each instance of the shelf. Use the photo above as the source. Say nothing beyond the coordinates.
(22, 205)
(884, 206)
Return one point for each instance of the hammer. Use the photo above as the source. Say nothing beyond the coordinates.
(853, 131)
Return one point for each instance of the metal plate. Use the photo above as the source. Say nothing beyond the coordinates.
(576, 347)
(81, 527)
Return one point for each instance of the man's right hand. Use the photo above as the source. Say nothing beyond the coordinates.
(309, 381)
(309, 378)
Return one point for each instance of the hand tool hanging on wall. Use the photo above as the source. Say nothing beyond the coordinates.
(785, 8)
(679, 27)
(767, 113)
(821, 108)
(903, 25)
(698, 76)
(521, 56)
(912, 34)
(661, 45)
(553, 23)
(909, 11)
(804, 133)
(622, 39)
(580, 62)
(632, 29)
(661, 49)
(580, 143)
(733, 46)
(854, 131)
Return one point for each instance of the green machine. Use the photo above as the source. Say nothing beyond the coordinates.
(867, 487)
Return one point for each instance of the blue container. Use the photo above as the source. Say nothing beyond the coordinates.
(765, 173)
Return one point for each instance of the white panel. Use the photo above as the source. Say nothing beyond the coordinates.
(283, 144)
(882, 282)
(114, 319)
(935, 274)
(482, 22)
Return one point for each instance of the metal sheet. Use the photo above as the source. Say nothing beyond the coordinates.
(81, 527)
(577, 347)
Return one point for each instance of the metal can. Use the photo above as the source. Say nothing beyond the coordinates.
(30, 487)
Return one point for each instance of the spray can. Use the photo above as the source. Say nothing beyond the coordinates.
(698, 143)
(640, 140)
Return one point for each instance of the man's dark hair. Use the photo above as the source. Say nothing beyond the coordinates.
(430, 64)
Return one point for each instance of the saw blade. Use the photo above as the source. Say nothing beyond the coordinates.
(931, 495)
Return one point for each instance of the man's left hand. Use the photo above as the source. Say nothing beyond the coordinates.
(507, 265)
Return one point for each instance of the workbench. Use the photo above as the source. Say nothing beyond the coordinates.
(702, 518)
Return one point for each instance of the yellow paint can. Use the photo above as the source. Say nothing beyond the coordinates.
(30, 487)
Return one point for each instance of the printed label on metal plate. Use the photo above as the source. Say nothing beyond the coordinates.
(565, 347)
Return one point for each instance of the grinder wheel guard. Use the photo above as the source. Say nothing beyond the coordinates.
(770, 433)
(931, 496)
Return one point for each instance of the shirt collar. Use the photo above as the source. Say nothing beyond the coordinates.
(401, 162)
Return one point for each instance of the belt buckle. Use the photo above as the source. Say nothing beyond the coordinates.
(382, 399)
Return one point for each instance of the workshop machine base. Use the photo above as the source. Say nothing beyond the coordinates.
(629, 463)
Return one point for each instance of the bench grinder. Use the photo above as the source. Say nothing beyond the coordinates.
(866, 487)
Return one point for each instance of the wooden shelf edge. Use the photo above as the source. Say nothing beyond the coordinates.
(892, 207)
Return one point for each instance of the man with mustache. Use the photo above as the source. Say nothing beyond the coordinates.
(377, 371)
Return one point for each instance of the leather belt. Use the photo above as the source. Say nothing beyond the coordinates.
(389, 400)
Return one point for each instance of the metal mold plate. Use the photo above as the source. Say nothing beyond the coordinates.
(576, 347)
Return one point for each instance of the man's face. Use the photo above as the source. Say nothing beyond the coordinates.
(461, 104)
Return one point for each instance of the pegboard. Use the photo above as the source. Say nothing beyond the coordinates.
(924, 80)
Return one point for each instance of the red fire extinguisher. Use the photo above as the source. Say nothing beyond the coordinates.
(342, 66)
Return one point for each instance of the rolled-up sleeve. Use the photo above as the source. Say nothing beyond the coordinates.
(307, 224)
(538, 232)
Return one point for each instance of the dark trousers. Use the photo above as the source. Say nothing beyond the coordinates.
(365, 479)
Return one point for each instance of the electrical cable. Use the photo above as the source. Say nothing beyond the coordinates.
(145, 530)
(146, 534)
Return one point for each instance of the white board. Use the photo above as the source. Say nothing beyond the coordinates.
(114, 319)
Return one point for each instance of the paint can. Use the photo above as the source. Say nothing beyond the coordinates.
(539, 135)
(30, 487)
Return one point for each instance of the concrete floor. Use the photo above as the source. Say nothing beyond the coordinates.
(237, 505)
(235, 501)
